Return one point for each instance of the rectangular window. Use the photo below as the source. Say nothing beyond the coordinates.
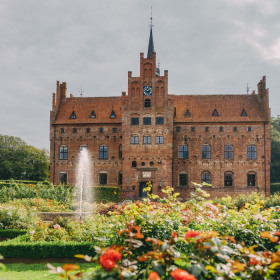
(207, 129)
(63, 152)
(120, 151)
(183, 179)
(235, 128)
(192, 129)
(103, 151)
(206, 152)
(147, 121)
(251, 152)
(134, 140)
(120, 179)
(205, 177)
(178, 129)
(74, 130)
(102, 179)
(228, 180)
(251, 180)
(159, 120)
(101, 130)
(88, 130)
(82, 148)
(134, 121)
(147, 139)
(220, 128)
(62, 130)
(228, 152)
(114, 129)
(249, 128)
(183, 152)
(63, 178)
(159, 139)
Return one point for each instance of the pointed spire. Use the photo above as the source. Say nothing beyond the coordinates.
(151, 48)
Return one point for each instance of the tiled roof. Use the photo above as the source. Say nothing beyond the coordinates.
(83, 107)
(229, 108)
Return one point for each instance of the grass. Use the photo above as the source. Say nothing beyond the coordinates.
(20, 271)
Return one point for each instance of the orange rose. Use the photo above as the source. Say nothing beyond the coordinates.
(154, 276)
(174, 234)
(108, 264)
(70, 267)
(180, 274)
(253, 261)
(191, 234)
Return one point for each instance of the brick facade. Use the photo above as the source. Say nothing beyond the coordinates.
(191, 121)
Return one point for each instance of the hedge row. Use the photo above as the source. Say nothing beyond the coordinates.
(26, 182)
(43, 249)
(12, 233)
(274, 188)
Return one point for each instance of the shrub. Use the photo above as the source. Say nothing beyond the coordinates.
(12, 233)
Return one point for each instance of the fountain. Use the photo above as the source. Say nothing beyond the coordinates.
(84, 181)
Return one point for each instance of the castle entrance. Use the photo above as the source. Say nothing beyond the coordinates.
(142, 185)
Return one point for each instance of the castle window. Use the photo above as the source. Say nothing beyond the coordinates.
(146, 121)
(159, 139)
(192, 129)
(82, 147)
(120, 151)
(147, 139)
(134, 140)
(134, 121)
(113, 115)
(183, 180)
(74, 130)
(151, 163)
(63, 152)
(114, 129)
(220, 128)
(93, 116)
(62, 130)
(88, 130)
(251, 152)
(143, 163)
(183, 151)
(235, 128)
(159, 120)
(243, 113)
(62, 178)
(147, 103)
(215, 113)
(249, 128)
(103, 179)
(206, 129)
(134, 164)
(206, 177)
(120, 179)
(103, 152)
(187, 115)
(206, 151)
(228, 152)
(73, 115)
(101, 130)
(178, 128)
(228, 179)
(251, 179)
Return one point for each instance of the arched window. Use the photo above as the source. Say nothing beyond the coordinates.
(63, 152)
(206, 177)
(103, 152)
(120, 151)
(103, 178)
(228, 179)
(62, 178)
(134, 164)
(251, 179)
(147, 103)
(183, 179)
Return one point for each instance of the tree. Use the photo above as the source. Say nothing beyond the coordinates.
(275, 150)
(21, 161)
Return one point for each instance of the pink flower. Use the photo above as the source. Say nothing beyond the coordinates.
(57, 226)
(32, 232)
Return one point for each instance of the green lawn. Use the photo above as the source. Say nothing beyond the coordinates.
(38, 271)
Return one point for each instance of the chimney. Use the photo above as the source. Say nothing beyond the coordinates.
(63, 93)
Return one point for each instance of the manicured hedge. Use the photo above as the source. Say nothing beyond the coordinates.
(274, 188)
(26, 182)
(12, 233)
(43, 249)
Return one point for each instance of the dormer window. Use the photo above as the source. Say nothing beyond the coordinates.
(113, 115)
(187, 115)
(93, 116)
(215, 113)
(147, 103)
(243, 113)
(73, 115)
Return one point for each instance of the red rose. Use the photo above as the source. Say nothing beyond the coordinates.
(113, 255)
(154, 276)
(180, 274)
(191, 234)
(108, 260)
(253, 261)
(174, 234)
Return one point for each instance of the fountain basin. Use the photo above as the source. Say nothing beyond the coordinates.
(50, 216)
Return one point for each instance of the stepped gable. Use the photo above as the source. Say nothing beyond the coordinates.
(228, 107)
(83, 108)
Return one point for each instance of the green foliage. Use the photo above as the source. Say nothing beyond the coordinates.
(106, 194)
(274, 188)
(12, 233)
(275, 147)
(21, 161)
(16, 217)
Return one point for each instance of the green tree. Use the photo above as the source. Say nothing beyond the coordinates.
(275, 150)
(21, 161)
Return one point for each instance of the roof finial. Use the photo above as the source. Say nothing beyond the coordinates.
(151, 41)
(81, 91)
(247, 89)
(151, 18)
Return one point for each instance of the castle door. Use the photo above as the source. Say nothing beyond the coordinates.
(143, 186)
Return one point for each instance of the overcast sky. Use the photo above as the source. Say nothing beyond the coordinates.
(208, 47)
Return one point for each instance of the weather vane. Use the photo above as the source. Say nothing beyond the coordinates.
(81, 91)
(151, 17)
(247, 89)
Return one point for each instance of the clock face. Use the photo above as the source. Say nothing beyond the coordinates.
(147, 90)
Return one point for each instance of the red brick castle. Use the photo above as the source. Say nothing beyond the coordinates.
(147, 134)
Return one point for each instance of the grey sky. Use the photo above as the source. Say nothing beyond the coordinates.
(208, 47)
